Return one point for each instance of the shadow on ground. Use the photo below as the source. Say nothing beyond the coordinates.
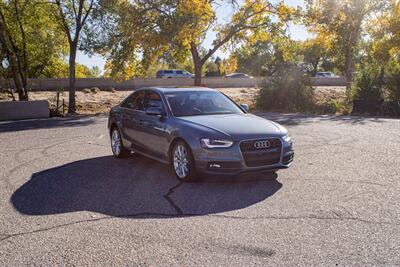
(136, 187)
(22, 125)
(294, 119)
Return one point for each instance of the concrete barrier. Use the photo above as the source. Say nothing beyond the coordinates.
(18, 110)
(45, 84)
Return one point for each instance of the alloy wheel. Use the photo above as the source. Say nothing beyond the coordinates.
(181, 161)
(116, 142)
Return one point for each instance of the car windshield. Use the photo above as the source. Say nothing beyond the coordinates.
(196, 103)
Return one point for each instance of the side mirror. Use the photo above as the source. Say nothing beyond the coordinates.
(154, 111)
(245, 107)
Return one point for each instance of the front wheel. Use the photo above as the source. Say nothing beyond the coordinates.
(117, 147)
(183, 162)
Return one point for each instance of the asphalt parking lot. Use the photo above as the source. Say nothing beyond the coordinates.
(66, 201)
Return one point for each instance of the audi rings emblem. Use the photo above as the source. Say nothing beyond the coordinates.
(262, 144)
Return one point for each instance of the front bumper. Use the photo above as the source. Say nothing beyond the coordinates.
(230, 161)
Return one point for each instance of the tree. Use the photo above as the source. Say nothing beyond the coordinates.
(148, 29)
(13, 43)
(385, 33)
(31, 44)
(264, 58)
(314, 52)
(342, 23)
(385, 47)
(228, 65)
(72, 16)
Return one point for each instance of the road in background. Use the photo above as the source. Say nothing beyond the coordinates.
(66, 201)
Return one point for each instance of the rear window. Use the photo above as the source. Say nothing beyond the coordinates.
(168, 71)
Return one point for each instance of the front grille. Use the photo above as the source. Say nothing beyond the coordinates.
(254, 157)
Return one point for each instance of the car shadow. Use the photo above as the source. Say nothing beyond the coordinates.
(33, 124)
(295, 119)
(136, 187)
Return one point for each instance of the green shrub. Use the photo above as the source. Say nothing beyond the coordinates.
(393, 83)
(368, 84)
(340, 107)
(86, 90)
(289, 89)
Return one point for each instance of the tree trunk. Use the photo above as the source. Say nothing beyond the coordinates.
(11, 55)
(315, 67)
(381, 80)
(72, 58)
(349, 70)
(198, 64)
(197, 73)
(18, 80)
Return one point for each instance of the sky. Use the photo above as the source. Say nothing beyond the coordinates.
(297, 32)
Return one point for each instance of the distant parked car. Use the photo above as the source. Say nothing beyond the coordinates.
(238, 75)
(173, 74)
(325, 75)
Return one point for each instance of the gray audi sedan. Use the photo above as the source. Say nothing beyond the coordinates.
(197, 131)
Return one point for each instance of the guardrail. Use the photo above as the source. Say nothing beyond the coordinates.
(53, 84)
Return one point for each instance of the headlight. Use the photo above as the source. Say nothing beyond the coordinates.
(215, 143)
(286, 138)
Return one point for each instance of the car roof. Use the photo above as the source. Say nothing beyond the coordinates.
(235, 73)
(171, 69)
(179, 89)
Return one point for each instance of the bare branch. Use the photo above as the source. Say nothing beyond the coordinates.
(63, 22)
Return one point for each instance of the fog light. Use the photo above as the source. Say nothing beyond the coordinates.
(214, 166)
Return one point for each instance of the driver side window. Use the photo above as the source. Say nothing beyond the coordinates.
(135, 101)
(153, 100)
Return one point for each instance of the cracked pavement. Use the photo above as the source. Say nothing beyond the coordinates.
(66, 201)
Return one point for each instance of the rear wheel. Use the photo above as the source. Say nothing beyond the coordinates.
(183, 162)
(117, 147)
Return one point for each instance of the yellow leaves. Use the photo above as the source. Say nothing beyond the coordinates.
(285, 12)
(229, 65)
(386, 33)
(196, 16)
(256, 20)
(256, 36)
(120, 72)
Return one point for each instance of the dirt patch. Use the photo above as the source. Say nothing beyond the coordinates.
(92, 102)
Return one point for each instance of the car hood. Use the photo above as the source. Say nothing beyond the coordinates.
(238, 126)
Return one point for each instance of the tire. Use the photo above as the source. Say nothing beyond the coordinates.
(117, 147)
(182, 162)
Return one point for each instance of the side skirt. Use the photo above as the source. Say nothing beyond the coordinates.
(149, 155)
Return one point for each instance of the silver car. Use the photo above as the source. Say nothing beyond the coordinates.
(174, 74)
(197, 131)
